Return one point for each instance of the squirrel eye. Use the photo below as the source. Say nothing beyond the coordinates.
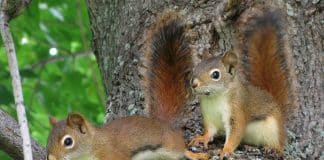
(67, 141)
(215, 74)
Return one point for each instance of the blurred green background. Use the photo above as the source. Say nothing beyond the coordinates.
(59, 72)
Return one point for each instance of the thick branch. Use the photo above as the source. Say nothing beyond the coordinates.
(12, 8)
(11, 141)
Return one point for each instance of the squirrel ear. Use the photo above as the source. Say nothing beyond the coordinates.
(52, 120)
(229, 60)
(77, 121)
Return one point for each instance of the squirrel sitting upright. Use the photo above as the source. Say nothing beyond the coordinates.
(136, 137)
(245, 94)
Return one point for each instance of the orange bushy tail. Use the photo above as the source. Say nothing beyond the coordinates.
(264, 56)
(168, 62)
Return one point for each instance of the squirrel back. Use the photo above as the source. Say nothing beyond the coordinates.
(133, 137)
(264, 56)
(169, 63)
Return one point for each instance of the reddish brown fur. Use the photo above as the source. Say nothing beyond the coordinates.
(266, 57)
(117, 140)
(169, 63)
(52, 120)
(254, 106)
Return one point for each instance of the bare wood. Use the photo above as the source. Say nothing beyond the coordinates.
(14, 142)
(16, 84)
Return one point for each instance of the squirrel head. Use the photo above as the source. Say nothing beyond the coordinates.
(70, 138)
(214, 74)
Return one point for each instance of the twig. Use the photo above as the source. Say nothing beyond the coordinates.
(59, 58)
(84, 44)
(16, 84)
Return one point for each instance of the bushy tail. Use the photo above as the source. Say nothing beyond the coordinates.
(264, 56)
(169, 64)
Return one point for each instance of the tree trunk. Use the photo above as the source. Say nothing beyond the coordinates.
(118, 28)
(306, 33)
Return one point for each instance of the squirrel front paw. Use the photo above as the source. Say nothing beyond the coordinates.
(224, 153)
(197, 156)
(276, 152)
(204, 139)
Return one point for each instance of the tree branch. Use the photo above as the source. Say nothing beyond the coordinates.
(16, 84)
(8, 10)
(59, 58)
(12, 8)
(11, 141)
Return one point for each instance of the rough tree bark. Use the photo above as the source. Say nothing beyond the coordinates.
(11, 141)
(118, 27)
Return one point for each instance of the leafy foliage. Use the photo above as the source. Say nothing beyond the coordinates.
(59, 72)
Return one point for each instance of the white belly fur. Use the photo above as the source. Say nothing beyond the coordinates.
(216, 114)
(263, 132)
(158, 154)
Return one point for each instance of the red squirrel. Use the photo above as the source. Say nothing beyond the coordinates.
(168, 62)
(245, 94)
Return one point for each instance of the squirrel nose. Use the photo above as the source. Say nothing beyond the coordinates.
(194, 83)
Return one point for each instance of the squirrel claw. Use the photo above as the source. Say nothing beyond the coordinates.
(200, 139)
(269, 150)
(224, 154)
(273, 151)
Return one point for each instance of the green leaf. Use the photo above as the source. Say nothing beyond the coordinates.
(27, 73)
(6, 97)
